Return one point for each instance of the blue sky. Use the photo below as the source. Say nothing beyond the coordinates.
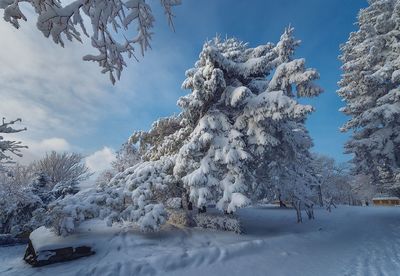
(68, 105)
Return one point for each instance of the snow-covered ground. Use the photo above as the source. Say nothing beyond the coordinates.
(348, 241)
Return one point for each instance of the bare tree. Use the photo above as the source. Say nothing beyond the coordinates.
(334, 181)
(63, 167)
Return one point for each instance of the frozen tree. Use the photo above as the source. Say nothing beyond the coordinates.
(241, 117)
(67, 168)
(20, 175)
(370, 88)
(244, 127)
(334, 181)
(105, 177)
(25, 196)
(8, 147)
(128, 197)
(41, 186)
(363, 188)
(17, 205)
(111, 22)
(127, 156)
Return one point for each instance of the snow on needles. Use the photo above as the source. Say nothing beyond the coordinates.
(240, 130)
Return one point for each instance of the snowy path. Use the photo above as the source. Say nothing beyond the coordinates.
(379, 250)
(349, 241)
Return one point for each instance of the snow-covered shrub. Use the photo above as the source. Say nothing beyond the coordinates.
(239, 128)
(180, 217)
(127, 156)
(174, 203)
(17, 206)
(128, 197)
(23, 206)
(219, 222)
(63, 20)
(370, 86)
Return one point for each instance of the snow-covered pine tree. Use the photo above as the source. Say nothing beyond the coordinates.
(241, 116)
(370, 88)
(243, 120)
(41, 186)
(63, 19)
(8, 147)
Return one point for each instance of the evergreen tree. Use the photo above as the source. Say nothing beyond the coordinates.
(41, 187)
(241, 118)
(370, 88)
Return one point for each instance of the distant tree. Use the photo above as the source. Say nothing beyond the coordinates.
(370, 86)
(62, 168)
(364, 188)
(8, 147)
(63, 19)
(127, 156)
(334, 181)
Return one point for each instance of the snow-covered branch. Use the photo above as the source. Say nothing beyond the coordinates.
(107, 17)
(8, 147)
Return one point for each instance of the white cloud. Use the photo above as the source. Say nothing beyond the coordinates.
(57, 94)
(100, 160)
(56, 144)
(51, 88)
(38, 149)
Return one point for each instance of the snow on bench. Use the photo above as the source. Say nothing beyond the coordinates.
(45, 247)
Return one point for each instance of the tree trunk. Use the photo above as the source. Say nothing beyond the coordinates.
(186, 204)
(321, 202)
(310, 211)
(297, 206)
(202, 209)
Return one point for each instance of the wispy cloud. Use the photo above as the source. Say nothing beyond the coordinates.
(59, 95)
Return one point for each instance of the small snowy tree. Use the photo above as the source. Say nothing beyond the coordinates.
(370, 88)
(63, 20)
(8, 147)
(242, 115)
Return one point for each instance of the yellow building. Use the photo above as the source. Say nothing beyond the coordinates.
(386, 201)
